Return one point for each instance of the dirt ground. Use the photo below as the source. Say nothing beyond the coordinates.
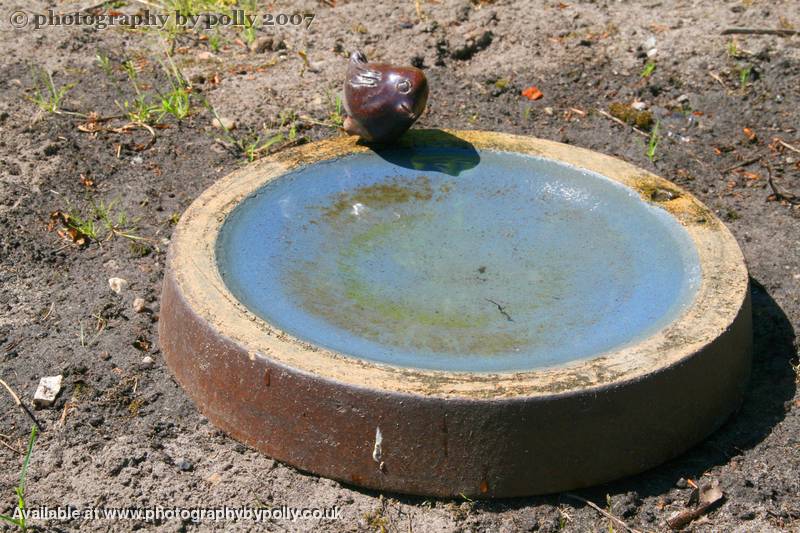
(123, 434)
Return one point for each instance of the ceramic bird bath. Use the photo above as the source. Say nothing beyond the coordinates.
(460, 313)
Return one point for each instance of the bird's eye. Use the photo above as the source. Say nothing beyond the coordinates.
(404, 86)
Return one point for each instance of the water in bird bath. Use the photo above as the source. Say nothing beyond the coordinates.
(447, 259)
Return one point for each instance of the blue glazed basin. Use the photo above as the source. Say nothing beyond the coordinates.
(457, 259)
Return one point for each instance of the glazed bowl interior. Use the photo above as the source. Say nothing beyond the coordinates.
(449, 259)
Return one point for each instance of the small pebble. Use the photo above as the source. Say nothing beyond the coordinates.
(139, 305)
(682, 483)
(147, 362)
(548, 111)
(224, 123)
(47, 391)
(639, 106)
(184, 465)
(262, 44)
(117, 284)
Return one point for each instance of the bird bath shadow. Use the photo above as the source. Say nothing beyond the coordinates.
(429, 151)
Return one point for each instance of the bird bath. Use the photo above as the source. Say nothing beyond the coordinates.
(463, 313)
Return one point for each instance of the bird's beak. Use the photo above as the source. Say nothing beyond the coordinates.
(407, 110)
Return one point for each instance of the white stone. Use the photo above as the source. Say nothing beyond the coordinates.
(117, 284)
(224, 123)
(139, 305)
(46, 392)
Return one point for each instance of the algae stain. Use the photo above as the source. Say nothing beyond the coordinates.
(662, 194)
(339, 287)
(398, 190)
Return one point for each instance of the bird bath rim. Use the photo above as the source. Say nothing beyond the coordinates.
(718, 301)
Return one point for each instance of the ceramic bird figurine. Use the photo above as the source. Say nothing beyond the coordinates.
(382, 101)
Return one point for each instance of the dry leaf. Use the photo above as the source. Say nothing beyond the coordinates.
(532, 93)
(76, 236)
(750, 134)
(57, 218)
(142, 344)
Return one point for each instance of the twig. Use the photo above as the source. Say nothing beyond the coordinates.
(622, 123)
(287, 144)
(420, 14)
(306, 118)
(716, 77)
(91, 8)
(20, 404)
(602, 512)
(149, 4)
(787, 145)
(778, 195)
(52, 306)
(759, 31)
(7, 445)
(742, 164)
(502, 310)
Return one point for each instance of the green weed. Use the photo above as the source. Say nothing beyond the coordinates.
(733, 49)
(526, 113)
(47, 96)
(139, 110)
(152, 107)
(103, 221)
(648, 70)
(175, 103)
(744, 76)
(215, 42)
(115, 221)
(254, 145)
(21, 521)
(249, 30)
(652, 143)
(105, 63)
(336, 116)
(84, 226)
